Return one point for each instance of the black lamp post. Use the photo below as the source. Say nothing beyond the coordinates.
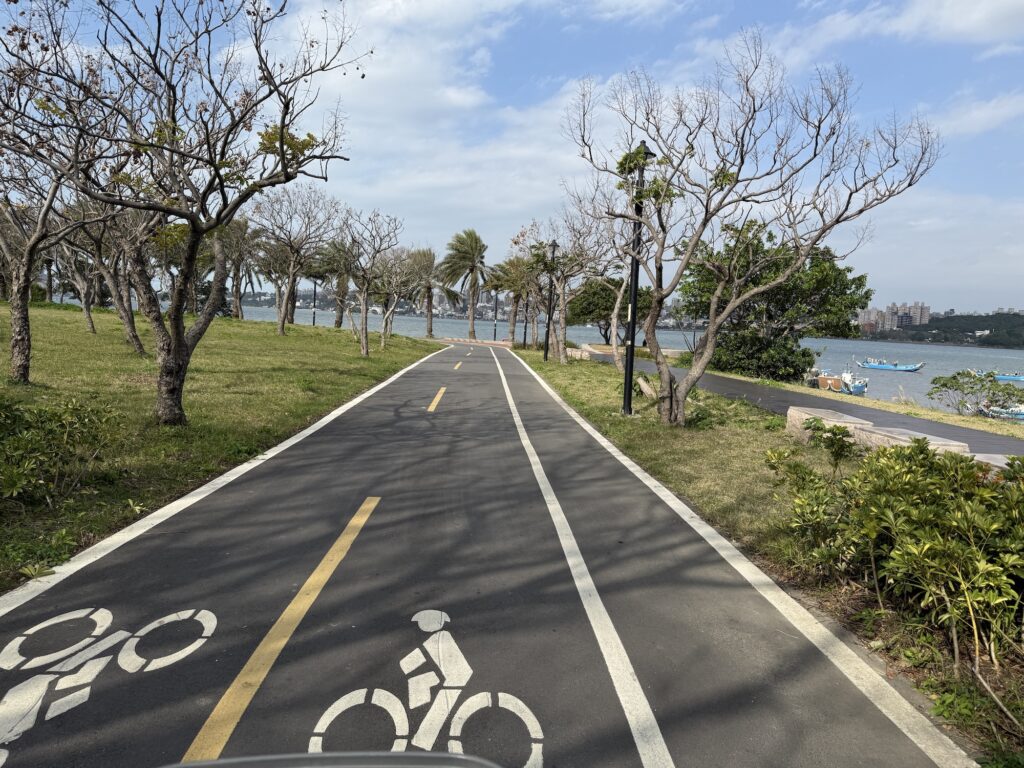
(551, 299)
(314, 302)
(634, 279)
(495, 314)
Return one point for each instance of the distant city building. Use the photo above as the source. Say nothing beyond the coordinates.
(894, 316)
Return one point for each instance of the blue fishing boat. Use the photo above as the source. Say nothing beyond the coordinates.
(1015, 376)
(885, 365)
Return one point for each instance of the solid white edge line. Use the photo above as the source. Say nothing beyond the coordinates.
(942, 750)
(650, 742)
(32, 589)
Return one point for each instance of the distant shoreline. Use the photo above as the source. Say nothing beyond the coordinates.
(942, 344)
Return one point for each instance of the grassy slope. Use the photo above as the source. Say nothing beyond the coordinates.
(248, 389)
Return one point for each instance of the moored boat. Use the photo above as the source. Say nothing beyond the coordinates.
(1015, 376)
(1013, 413)
(845, 383)
(885, 365)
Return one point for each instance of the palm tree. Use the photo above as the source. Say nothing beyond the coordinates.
(515, 276)
(425, 269)
(464, 264)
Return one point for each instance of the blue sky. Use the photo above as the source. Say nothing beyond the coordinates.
(459, 121)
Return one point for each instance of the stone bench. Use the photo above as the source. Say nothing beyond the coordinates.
(797, 415)
(880, 437)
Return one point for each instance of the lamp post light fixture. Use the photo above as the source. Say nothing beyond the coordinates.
(634, 279)
(551, 299)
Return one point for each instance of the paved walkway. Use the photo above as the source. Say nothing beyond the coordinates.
(779, 400)
(458, 562)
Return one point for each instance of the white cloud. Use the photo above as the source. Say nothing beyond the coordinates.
(1002, 49)
(970, 117)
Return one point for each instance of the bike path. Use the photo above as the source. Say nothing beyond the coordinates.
(461, 526)
(733, 682)
(779, 400)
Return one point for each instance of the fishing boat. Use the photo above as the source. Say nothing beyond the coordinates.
(885, 365)
(1013, 413)
(845, 383)
(1015, 376)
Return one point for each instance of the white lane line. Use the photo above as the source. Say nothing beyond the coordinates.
(646, 733)
(918, 728)
(36, 587)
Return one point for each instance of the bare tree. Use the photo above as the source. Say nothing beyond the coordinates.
(76, 264)
(29, 194)
(744, 146)
(372, 235)
(198, 107)
(301, 220)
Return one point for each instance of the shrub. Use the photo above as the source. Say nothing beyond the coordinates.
(941, 536)
(750, 354)
(966, 391)
(47, 450)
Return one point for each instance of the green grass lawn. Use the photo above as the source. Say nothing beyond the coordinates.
(247, 390)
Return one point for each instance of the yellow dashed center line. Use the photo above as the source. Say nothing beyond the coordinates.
(214, 735)
(458, 365)
(437, 399)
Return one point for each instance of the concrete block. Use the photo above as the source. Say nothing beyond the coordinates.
(996, 460)
(881, 437)
(797, 415)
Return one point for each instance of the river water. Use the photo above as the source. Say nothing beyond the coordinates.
(833, 354)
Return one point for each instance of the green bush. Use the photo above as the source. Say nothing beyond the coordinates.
(939, 536)
(966, 391)
(47, 450)
(748, 353)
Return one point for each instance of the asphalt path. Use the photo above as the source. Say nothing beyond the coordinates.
(779, 400)
(589, 619)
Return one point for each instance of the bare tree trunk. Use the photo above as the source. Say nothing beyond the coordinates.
(513, 315)
(49, 280)
(120, 296)
(563, 354)
(385, 319)
(87, 311)
(236, 291)
(282, 296)
(364, 323)
(174, 343)
(293, 296)
(471, 300)
(340, 299)
(614, 326)
(352, 324)
(21, 332)
(534, 332)
(430, 313)
(669, 409)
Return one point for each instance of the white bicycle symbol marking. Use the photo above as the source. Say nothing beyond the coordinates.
(75, 667)
(441, 649)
